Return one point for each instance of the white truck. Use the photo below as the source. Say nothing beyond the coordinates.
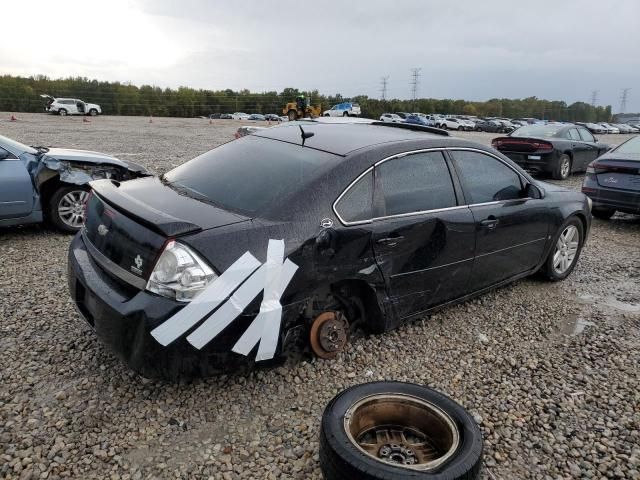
(70, 106)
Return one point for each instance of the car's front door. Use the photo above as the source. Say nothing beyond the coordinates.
(423, 239)
(594, 150)
(511, 229)
(16, 188)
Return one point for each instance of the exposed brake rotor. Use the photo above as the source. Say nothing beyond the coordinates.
(329, 334)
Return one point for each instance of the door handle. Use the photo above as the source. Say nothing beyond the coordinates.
(390, 241)
(489, 223)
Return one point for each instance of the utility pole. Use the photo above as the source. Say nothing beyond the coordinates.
(594, 97)
(623, 99)
(383, 86)
(415, 80)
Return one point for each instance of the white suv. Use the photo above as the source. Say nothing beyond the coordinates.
(344, 109)
(71, 106)
(391, 118)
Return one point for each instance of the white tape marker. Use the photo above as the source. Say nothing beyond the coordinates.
(208, 300)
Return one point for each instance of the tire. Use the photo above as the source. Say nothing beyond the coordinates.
(549, 270)
(478, 129)
(67, 198)
(293, 115)
(345, 114)
(603, 213)
(326, 115)
(93, 112)
(562, 169)
(342, 458)
(460, 129)
(62, 112)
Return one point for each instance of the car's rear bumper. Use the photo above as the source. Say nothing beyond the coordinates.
(534, 162)
(610, 198)
(123, 317)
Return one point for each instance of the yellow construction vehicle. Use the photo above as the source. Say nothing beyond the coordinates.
(301, 108)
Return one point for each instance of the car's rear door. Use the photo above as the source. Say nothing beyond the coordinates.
(593, 149)
(423, 239)
(16, 187)
(511, 231)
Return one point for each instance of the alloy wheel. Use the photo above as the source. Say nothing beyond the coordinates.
(566, 249)
(71, 208)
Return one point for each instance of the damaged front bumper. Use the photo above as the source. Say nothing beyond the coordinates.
(123, 318)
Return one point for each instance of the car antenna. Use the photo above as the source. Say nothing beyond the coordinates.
(305, 135)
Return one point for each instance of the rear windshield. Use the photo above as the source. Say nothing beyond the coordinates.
(631, 146)
(537, 131)
(249, 175)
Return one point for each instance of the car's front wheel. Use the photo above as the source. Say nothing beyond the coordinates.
(562, 170)
(66, 208)
(345, 114)
(62, 112)
(93, 112)
(566, 250)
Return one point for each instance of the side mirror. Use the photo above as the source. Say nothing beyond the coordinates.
(533, 191)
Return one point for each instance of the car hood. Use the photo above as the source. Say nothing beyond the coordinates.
(87, 156)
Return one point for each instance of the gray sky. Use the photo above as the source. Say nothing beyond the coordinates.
(469, 49)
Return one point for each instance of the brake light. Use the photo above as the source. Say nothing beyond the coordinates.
(86, 204)
(591, 169)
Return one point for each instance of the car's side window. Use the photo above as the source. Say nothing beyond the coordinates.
(573, 134)
(415, 183)
(485, 178)
(586, 135)
(356, 204)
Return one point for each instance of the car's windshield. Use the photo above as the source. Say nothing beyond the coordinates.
(537, 131)
(16, 146)
(631, 146)
(250, 175)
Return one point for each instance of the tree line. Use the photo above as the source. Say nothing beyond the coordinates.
(22, 94)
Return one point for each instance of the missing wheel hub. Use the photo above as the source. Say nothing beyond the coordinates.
(329, 334)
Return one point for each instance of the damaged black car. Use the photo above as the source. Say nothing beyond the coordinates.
(52, 183)
(298, 233)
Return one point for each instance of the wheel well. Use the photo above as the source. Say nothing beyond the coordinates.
(47, 189)
(583, 220)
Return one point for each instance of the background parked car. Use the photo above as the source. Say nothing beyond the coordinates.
(272, 117)
(492, 126)
(622, 127)
(418, 120)
(240, 116)
(71, 106)
(226, 116)
(559, 149)
(40, 182)
(215, 116)
(257, 117)
(450, 124)
(613, 180)
(391, 117)
(344, 109)
(609, 128)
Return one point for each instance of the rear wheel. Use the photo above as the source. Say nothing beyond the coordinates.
(293, 115)
(62, 112)
(603, 213)
(66, 208)
(566, 250)
(562, 170)
(460, 128)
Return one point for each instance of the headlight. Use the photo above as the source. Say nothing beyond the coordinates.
(180, 273)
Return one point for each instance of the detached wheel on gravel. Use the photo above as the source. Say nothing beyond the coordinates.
(399, 431)
(66, 208)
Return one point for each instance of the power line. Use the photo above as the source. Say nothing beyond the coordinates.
(623, 99)
(383, 86)
(594, 97)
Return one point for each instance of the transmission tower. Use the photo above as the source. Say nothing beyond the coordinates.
(415, 80)
(594, 97)
(623, 99)
(383, 86)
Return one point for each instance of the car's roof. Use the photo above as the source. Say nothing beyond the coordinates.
(342, 139)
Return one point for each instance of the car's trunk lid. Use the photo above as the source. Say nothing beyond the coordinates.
(619, 174)
(127, 224)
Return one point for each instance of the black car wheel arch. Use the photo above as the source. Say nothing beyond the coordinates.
(430, 436)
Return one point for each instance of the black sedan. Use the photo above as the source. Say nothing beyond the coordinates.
(555, 148)
(492, 126)
(296, 233)
(613, 180)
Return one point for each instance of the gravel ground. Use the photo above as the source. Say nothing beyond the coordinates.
(550, 371)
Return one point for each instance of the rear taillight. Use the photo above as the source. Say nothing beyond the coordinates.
(591, 169)
(542, 146)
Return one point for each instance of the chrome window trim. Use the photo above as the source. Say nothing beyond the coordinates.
(422, 212)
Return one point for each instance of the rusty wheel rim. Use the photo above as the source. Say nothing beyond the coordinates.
(329, 334)
(402, 430)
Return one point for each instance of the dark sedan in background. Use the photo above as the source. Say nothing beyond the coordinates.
(375, 223)
(555, 148)
(613, 180)
(492, 126)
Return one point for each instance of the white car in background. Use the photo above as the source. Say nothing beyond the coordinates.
(391, 118)
(344, 109)
(70, 106)
(450, 124)
(240, 116)
(609, 128)
(467, 125)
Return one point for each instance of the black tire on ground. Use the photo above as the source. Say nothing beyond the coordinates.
(326, 115)
(345, 114)
(62, 112)
(293, 115)
(341, 458)
(93, 112)
(460, 128)
(562, 169)
(478, 129)
(547, 270)
(54, 202)
(603, 213)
